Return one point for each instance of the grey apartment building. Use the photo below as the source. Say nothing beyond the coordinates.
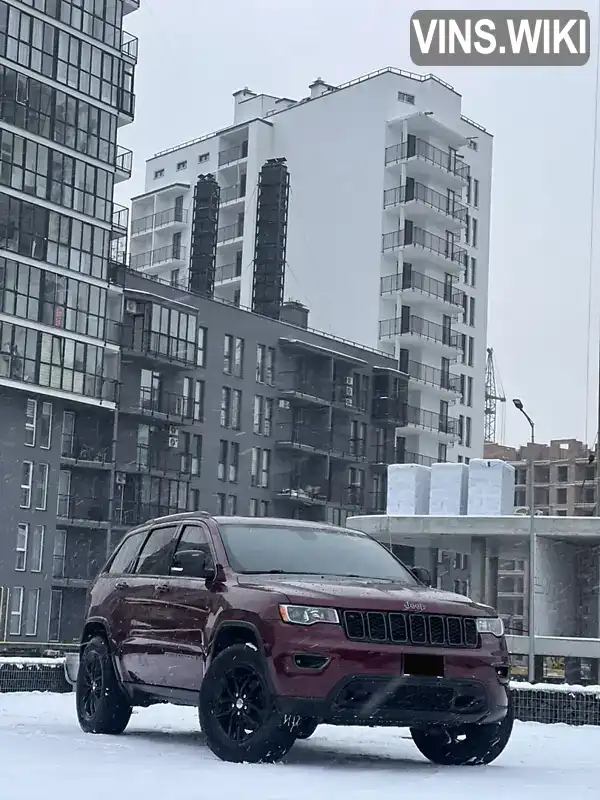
(66, 87)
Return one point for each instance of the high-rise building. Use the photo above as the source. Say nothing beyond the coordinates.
(387, 218)
(66, 87)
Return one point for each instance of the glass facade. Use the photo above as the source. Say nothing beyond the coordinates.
(56, 192)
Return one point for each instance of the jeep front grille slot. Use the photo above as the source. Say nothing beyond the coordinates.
(425, 630)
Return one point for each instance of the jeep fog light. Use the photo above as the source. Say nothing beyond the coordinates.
(308, 615)
(492, 625)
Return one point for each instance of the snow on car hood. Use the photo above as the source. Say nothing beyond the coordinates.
(364, 593)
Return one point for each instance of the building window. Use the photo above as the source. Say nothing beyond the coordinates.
(174, 277)
(181, 165)
(228, 354)
(46, 426)
(471, 351)
(201, 351)
(32, 606)
(475, 194)
(238, 362)
(222, 466)
(231, 505)
(41, 486)
(472, 312)
(194, 403)
(473, 275)
(203, 157)
(236, 409)
(469, 391)
(59, 553)
(225, 407)
(26, 482)
(253, 507)
(37, 548)
(220, 503)
(263, 508)
(263, 415)
(234, 462)
(442, 452)
(562, 474)
(265, 364)
(475, 233)
(159, 173)
(472, 144)
(468, 431)
(16, 611)
(561, 497)
(463, 348)
(196, 453)
(30, 422)
(406, 98)
(22, 537)
(55, 616)
(194, 500)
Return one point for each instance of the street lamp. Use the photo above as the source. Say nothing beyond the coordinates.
(532, 546)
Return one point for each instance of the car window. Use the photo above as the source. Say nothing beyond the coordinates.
(195, 537)
(155, 558)
(123, 560)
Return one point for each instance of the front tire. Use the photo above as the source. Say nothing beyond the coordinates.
(305, 728)
(102, 706)
(471, 745)
(237, 709)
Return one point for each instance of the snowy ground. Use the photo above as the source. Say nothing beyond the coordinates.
(162, 756)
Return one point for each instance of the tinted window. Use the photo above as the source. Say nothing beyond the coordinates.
(310, 551)
(125, 556)
(194, 537)
(155, 558)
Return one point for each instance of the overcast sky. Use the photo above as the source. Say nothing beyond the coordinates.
(194, 55)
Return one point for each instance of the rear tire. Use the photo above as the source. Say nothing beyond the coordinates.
(102, 706)
(237, 709)
(478, 744)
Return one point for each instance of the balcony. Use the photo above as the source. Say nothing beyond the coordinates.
(152, 346)
(434, 292)
(346, 396)
(233, 154)
(421, 244)
(382, 455)
(376, 503)
(120, 221)
(130, 513)
(229, 233)
(123, 164)
(130, 47)
(229, 194)
(429, 160)
(303, 438)
(228, 272)
(304, 390)
(82, 452)
(343, 447)
(301, 490)
(415, 417)
(389, 410)
(431, 376)
(171, 254)
(175, 218)
(156, 405)
(85, 512)
(429, 200)
(352, 497)
(422, 329)
(129, 6)
(157, 458)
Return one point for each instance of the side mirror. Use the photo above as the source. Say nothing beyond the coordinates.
(422, 575)
(193, 564)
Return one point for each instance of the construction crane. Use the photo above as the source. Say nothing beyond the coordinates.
(493, 396)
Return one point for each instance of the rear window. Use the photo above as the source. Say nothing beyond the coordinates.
(124, 559)
(310, 551)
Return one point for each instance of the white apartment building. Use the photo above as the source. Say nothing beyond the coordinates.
(388, 231)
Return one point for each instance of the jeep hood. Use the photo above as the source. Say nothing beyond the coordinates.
(365, 594)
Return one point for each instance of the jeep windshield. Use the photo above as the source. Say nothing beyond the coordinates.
(291, 550)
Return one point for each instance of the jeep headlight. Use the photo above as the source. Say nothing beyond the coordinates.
(493, 625)
(308, 615)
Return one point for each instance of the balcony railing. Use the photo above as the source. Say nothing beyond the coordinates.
(124, 160)
(86, 451)
(429, 420)
(428, 196)
(130, 46)
(232, 154)
(157, 458)
(388, 453)
(160, 256)
(227, 272)
(159, 220)
(433, 376)
(418, 281)
(303, 489)
(348, 496)
(154, 403)
(303, 436)
(235, 192)
(417, 326)
(388, 409)
(345, 395)
(75, 507)
(132, 513)
(229, 232)
(291, 382)
(393, 240)
(342, 445)
(120, 219)
(443, 159)
(159, 345)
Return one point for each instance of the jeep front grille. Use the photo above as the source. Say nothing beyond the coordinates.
(426, 630)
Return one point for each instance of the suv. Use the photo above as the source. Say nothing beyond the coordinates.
(271, 627)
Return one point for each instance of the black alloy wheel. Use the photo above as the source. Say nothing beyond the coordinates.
(242, 705)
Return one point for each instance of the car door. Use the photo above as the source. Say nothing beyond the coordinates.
(143, 649)
(191, 602)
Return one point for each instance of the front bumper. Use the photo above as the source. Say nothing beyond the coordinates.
(361, 683)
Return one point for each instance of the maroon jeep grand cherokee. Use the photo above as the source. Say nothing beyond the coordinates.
(273, 626)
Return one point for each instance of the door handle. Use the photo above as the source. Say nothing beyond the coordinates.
(121, 585)
(161, 588)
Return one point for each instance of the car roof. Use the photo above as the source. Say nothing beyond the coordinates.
(254, 521)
